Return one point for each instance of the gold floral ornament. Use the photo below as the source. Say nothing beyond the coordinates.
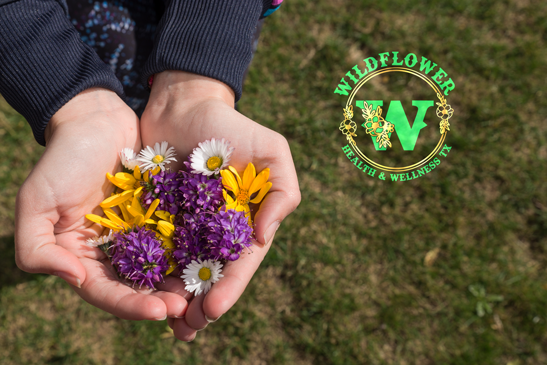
(445, 112)
(376, 125)
(239, 192)
(348, 126)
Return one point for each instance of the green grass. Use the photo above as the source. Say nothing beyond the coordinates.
(345, 282)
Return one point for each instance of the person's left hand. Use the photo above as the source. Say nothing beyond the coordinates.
(185, 109)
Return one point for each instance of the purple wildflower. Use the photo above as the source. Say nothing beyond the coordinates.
(165, 187)
(230, 234)
(138, 256)
(190, 238)
(200, 193)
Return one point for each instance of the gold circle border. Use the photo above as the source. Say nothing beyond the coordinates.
(361, 154)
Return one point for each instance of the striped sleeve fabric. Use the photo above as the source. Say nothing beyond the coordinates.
(208, 37)
(43, 62)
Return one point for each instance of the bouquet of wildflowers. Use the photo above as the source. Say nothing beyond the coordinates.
(190, 221)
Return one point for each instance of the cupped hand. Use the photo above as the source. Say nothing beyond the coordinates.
(185, 109)
(83, 141)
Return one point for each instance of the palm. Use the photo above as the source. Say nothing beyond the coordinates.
(67, 183)
(184, 126)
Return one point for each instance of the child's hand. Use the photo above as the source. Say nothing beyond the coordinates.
(185, 109)
(84, 139)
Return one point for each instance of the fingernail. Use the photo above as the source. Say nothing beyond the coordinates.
(211, 320)
(176, 317)
(69, 278)
(201, 329)
(161, 319)
(270, 232)
(193, 338)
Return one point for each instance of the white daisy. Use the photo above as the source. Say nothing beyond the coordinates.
(129, 158)
(200, 275)
(98, 241)
(211, 156)
(158, 156)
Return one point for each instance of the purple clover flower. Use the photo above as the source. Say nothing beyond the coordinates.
(190, 238)
(165, 187)
(200, 193)
(138, 256)
(230, 234)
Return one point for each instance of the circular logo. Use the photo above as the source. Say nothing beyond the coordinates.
(367, 117)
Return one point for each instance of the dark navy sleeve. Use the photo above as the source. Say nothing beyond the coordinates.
(43, 62)
(207, 37)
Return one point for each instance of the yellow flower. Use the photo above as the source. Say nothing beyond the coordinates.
(127, 201)
(243, 189)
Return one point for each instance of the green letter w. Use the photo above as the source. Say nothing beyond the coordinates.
(407, 135)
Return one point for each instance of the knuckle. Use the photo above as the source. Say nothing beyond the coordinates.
(22, 263)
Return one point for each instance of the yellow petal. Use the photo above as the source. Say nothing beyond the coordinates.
(231, 205)
(119, 183)
(156, 170)
(260, 180)
(265, 188)
(162, 214)
(240, 183)
(109, 224)
(147, 176)
(151, 209)
(125, 178)
(116, 199)
(114, 218)
(167, 229)
(126, 216)
(229, 181)
(138, 192)
(94, 218)
(139, 220)
(167, 242)
(227, 197)
(135, 208)
(248, 176)
(137, 173)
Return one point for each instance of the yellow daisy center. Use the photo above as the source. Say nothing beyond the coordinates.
(204, 273)
(214, 163)
(243, 197)
(158, 159)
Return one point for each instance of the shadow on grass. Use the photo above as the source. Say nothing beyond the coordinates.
(10, 274)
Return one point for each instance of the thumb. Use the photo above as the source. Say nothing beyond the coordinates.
(275, 207)
(36, 250)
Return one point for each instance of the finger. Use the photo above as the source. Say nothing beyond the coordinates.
(182, 331)
(280, 201)
(175, 285)
(175, 304)
(35, 244)
(195, 317)
(103, 290)
(237, 274)
(171, 322)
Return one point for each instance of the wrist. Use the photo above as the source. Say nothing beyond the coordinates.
(184, 87)
(94, 108)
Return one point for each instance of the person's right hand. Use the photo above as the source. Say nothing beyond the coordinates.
(83, 140)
